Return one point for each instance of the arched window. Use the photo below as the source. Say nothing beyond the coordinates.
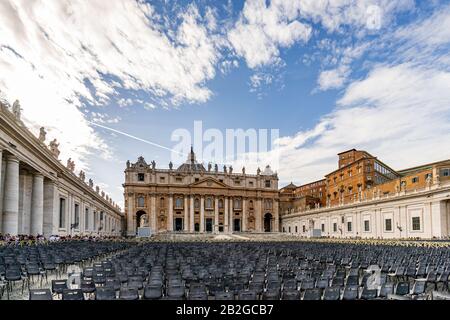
(220, 203)
(268, 204)
(251, 204)
(237, 203)
(162, 202)
(141, 201)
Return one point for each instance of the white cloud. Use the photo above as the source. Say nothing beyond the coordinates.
(266, 26)
(333, 79)
(261, 30)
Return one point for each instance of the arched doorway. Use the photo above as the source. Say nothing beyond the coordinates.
(141, 219)
(268, 222)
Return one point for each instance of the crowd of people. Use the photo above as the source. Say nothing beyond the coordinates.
(7, 239)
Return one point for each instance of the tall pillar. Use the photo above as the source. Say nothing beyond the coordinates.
(170, 217)
(25, 191)
(225, 227)
(153, 224)
(259, 216)
(131, 231)
(231, 215)
(11, 196)
(186, 214)
(202, 214)
(216, 214)
(277, 216)
(50, 209)
(244, 214)
(37, 205)
(191, 218)
(1, 189)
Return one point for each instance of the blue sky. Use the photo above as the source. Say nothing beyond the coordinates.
(330, 75)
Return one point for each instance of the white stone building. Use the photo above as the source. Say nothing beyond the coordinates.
(39, 195)
(422, 213)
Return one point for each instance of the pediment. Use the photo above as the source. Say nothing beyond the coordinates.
(209, 183)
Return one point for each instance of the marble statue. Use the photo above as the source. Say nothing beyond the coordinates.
(82, 175)
(209, 167)
(231, 169)
(153, 165)
(258, 172)
(171, 165)
(97, 189)
(243, 170)
(42, 134)
(103, 194)
(225, 169)
(91, 183)
(16, 109)
(128, 164)
(216, 168)
(71, 165)
(54, 148)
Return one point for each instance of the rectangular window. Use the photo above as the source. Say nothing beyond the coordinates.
(86, 219)
(323, 227)
(162, 179)
(179, 179)
(304, 228)
(335, 227)
(77, 216)
(141, 177)
(289, 229)
(415, 180)
(366, 225)
(445, 172)
(416, 223)
(251, 183)
(267, 183)
(296, 229)
(349, 226)
(388, 225)
(62, 213)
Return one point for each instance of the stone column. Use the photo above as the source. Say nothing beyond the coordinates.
(230, 224)
(186, 214)
(170, 216)
(244, 215)
(258, 216)
(202, 214)
(37, 205)
(225, 221)
(51, 209)
(277, 216)
(153, 224)
(1, 189)
(131, 231)
(191, 218)
(216, 214)
(11, 196)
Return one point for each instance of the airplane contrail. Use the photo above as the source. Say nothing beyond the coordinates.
(135, 138)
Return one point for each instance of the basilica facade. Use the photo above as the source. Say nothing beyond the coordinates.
(192, 198)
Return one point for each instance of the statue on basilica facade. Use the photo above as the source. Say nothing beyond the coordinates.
(54, 148)
(231, 170)
(225, 169)
(91, 183)
(258, 172)
(209, 167)
(128, 164)
(71, 165)
(153, 165)
(216, 168)
(16, 109)
(42, 134)
(243, 170)
(171, 165)
(82, 175)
